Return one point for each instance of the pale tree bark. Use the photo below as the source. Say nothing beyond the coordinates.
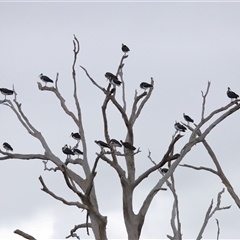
(87, 196)
(228, 110)
(210, 212)
(83, 186)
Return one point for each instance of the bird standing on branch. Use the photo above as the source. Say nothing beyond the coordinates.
(68, 151)
(146, 86)
(188, 119)
(164, 170)
(45, 79)
(6, 92)
(101, 144)
(77, 152)
(232, 94)
(179, 127)
(125, 48)
(113, 79)
(7, 146)
(115, 143)
(76, 136)
(128, 145)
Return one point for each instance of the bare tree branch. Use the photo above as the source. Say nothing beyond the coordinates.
(22, 156)
(165, 159)
(21, 120)
(93, 81)
(218, 229)
(46, 190)
(24, 235)
(199, 168)
(76, 227)
(49, 169)
(210, 213)
(76, 51)
(61, 100)
(175, 209)
(204, 99)
(148, 95)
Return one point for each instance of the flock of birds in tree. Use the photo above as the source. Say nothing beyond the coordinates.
(114, 81)
(113, 142)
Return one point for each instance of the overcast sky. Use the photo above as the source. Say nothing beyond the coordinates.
(181, 45)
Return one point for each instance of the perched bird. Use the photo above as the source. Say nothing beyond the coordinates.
(113, 90)
(101, 144)
(77, 152)
(66, 150)
(179, 127)
(115, 143)
(145, 86)
(113, 79)
(125, 48)
(7, 146)
(128, 145)
(76, 136)
(45, 79)
(6, 92)
(231, 94)
(164, 170)
(187, 118)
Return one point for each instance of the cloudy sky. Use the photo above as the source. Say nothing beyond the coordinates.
(182, 45)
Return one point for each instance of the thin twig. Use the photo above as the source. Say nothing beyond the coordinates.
(204, 99)
(199, 168)
(218, 228)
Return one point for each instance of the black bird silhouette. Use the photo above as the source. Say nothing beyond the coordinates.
(115, 143)
(7, 146)
(187, 118)
(113, 79)
(128, 145)
(231, 94)
(78, 152)
(76, 136)
(164, 170)
(6, 92)
(101, 144)
(145, 86)
(66, 150)
(179, 127)
(125, 48)
(45, 79)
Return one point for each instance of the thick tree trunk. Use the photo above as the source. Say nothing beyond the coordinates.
(130, 219)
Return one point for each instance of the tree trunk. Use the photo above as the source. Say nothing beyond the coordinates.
(130, 218)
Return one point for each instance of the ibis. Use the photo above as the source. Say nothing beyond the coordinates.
(77, 152)
(128, 145)
(115, 143)
(145, 85)
(76, 136)
(187, 118)
(68, 151)
(125, 48)
(45, 79)
(6, 92)
(7, 146)
(232, 94)
(179, 127)
(113, 79)
(101, 144)
(164, 170)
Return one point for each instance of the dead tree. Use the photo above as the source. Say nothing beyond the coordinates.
(84, 187)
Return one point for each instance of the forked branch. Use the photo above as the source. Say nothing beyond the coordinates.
(210, 212)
